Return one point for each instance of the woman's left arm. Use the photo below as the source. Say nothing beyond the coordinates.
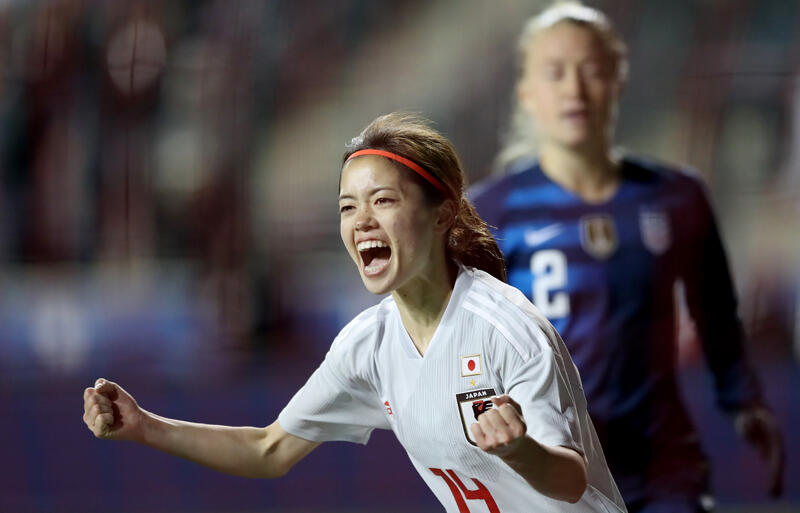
(557, 472)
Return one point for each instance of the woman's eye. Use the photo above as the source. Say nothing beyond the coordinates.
(594, 70)
(553, 72)
(345, 208)
(383, 201)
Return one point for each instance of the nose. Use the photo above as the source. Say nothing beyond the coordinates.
(573, 84)
(365, 220)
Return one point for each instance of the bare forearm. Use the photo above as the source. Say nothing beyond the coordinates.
(558, 472)
(243, 451)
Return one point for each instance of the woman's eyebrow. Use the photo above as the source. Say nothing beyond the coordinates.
(371, 192)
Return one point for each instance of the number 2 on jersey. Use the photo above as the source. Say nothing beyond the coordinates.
(457, 488)
(549, 269)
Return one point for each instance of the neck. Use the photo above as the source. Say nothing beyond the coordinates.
(591, 174)
(423, 302)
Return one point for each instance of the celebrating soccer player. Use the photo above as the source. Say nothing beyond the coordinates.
(473, 380)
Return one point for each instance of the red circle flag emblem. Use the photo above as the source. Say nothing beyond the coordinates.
(471, 365)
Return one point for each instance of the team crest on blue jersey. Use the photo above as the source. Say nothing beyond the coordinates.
(655, 229)
(599, 235)
(472, 405)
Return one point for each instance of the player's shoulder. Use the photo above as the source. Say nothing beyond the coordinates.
(502, 183)
(649, 169)
(515, 319)
(365, 330)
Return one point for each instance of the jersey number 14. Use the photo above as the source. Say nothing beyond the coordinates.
(460, 492)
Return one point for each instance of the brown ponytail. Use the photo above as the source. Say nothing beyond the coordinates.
(410, 136)
(471, 243)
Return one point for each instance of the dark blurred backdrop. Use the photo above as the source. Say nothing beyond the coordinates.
(168, 183)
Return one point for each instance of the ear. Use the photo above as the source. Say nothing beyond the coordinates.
(446, 215)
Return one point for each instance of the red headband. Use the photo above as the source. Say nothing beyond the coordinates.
(409, 164)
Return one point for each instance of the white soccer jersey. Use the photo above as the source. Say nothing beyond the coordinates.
(491, 341)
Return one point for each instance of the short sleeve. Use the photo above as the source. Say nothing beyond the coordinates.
(543, 390)
(334, 404)
(533, 366)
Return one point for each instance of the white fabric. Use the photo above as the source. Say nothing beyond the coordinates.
(373, 362)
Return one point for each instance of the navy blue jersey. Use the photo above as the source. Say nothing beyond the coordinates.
(604, 274)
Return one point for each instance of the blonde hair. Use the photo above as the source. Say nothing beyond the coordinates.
(519, 141)
(469, 240)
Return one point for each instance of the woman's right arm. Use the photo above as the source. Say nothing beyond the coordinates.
(110, 412)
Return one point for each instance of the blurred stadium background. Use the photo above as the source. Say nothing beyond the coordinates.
(168, 217)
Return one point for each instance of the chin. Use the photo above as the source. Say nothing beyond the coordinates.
(377, 286)
(575, 139)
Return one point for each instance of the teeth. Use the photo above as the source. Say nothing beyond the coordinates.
(369, 244)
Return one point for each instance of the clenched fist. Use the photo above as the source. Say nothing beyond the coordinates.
(500, 429)
(110, 412)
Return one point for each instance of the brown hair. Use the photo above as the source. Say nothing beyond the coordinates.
(468, 240)
(519, 141)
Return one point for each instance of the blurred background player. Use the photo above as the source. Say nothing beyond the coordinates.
(475, 383)
(599, 241)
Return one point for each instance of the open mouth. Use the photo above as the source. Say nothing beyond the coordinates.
(580, 114)
(375, 254)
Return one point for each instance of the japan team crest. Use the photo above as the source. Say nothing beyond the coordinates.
(471, 405)
(599, 235)
(656, 231)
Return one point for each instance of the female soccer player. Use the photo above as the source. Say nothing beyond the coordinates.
(475, 383)
(598, 243)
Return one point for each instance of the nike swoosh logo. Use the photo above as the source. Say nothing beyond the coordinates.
(541, 235)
